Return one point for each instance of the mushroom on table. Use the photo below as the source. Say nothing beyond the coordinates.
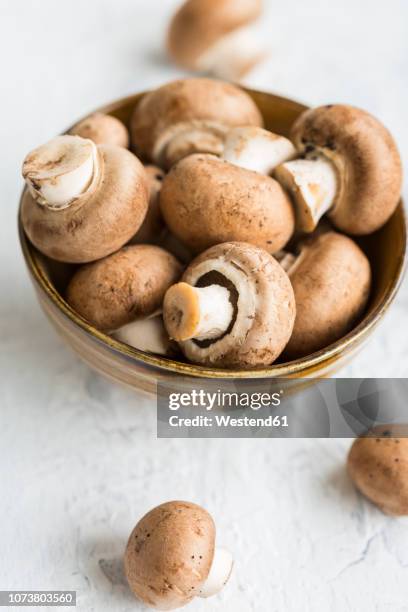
(84, 201)
(171, 556)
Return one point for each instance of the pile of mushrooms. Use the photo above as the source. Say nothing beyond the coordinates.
(212, 239)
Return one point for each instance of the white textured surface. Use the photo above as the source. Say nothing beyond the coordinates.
(79, 459)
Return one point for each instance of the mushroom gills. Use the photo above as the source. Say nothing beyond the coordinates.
(199, 313)
(61, 170)
(219, 575)
(147, 335)
(313, 184)
(257, 149)
(233, 55)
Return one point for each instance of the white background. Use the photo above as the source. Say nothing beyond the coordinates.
(79, 459)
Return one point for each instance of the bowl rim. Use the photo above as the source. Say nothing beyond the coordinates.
(284, 370)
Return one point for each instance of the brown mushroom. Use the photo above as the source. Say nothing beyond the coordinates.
(206, 201)
(84, 201)
(378, 467)
(153, 228)
(331, 279)
(128, 285)
(350, 169)
(171, 557)
(102, 129)
(234, 308)
(215, 36)
(189, 116)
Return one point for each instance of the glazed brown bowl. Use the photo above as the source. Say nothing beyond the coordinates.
(385, 249)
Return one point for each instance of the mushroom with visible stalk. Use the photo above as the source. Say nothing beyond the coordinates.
(331, 279)
(234, 307)
(350, 169)
(216, 37)
(128, 285)
(84, 201)
(153, 228)
(171, 557)
(206, 201)
(189, 116)
(147, 335)
(257, 149)
(378, 467)
(102, 129)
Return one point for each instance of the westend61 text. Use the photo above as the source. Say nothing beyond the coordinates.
(228, 421)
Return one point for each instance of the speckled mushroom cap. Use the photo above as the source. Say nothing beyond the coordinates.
(331, 279)
(188, 100)
(102, 129)
(367, 161)
(263, 300)
(127, 285)
(198, 24)
(379, 468)
(169, 554)
(206, 201)
(98, 222)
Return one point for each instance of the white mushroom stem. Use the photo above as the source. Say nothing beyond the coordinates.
(257, 149)
(146, 335)
(203, 313)
(220, 572)
(61, 170)
(233, 54)
(286, 260)
(186, 138)
(313, 184)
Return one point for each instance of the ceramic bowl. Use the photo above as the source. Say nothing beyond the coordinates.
(385, 249)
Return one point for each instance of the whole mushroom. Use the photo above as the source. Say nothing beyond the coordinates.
(129, 284)
(102, 129)
(378, 467)
(350, 168)
(84, 201)
(152, 228)
(189, 116)
(215, 36)
(206, 201)
(171, 557)
(234, 307)
(331, 279)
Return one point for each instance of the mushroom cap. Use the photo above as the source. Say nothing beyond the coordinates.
(331, 279)
(98, 222)
(152, 227)
(379, 469)
(169, 554)
(102, 129)
(264, 306)
(127, 285)
(206, 201)
(199, 24)
(188, 100)
(366, 158)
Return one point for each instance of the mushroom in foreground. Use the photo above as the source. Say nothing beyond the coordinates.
(171, 557)
(84, 201)
(234, 307)
(152, 229)
(378, 467)
(350, 168)
(147, 335)
(189, 116)
(216, 36)
(102, 129)
(128, 285)
(206, 201)
(331, 279)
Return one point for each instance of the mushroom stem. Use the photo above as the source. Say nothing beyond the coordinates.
(313, 184)
(233, 55)
(219, 575)
(61, 170)
(147, 335)
(257, 149)
(203, 313)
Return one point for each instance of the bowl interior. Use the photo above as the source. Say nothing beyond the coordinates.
(385, 249)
